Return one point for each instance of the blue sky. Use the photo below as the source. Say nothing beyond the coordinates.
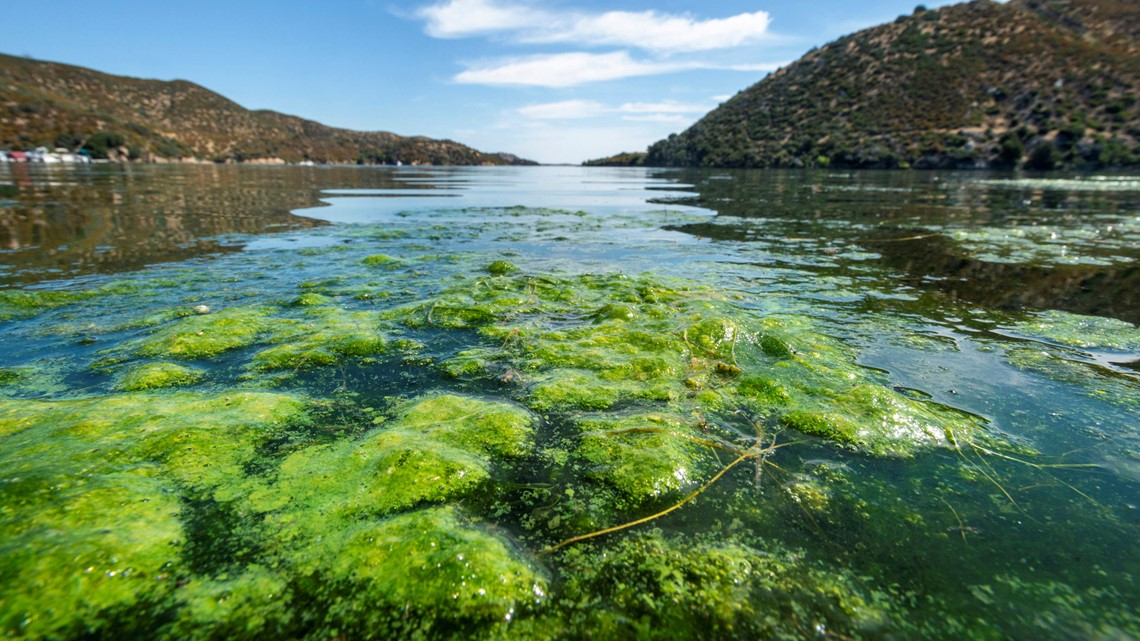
(555, 81)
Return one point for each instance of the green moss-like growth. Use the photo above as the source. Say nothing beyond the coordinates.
(387, 471)
(158, 375)
(487, 428)
(202, 441)
(1089, 332)
(18, 303)
(592, 343)
(821, 424)
(424, 573)
(501, 268)
(82, 559)
(382, 260)
(253, 605)
(311, 299)
(207, 335)
(326, 337)
(653, 588)
(95, 491)
(436, 449)
(9, 375)
(644, 456)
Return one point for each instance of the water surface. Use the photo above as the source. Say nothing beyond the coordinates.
(1004, 304)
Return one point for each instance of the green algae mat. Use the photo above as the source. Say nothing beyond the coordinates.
(490, 423)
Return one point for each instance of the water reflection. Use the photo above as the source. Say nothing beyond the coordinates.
(995, 241)
(69, 221)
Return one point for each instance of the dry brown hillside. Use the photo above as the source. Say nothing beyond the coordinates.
(58, 105)
(1036, 83)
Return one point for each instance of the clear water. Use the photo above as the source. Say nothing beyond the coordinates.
(1012, 299)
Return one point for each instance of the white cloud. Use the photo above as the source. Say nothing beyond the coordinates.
(564, 110)
(648, 30)
(464, 18)
(578, 68)
(669, 111)
(566, 70)
(665, 33)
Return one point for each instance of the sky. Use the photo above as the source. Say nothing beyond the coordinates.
(560, 81)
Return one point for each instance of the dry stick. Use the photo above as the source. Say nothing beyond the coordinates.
(625, 526)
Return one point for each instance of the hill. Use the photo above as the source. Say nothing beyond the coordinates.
(57, 105)
(1041, 84)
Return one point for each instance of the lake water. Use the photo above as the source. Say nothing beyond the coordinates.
(561, 402)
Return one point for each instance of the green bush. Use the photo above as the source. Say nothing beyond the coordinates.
(101, 143)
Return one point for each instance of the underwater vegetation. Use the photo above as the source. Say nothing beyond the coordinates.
(453, 446)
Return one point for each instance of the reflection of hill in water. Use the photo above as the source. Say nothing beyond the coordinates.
(1081, 289)
(61, 222)
(909, 219)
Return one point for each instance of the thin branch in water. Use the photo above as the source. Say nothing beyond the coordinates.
(625, 526)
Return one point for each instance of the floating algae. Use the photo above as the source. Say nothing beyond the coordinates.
(86, 557)
(91, 524)
(1089, 332)
(654, 587)
(644, 456)
(440, 448)
(545, 406)
(326, 336)
(208, 335)
(596, 342)
(156, 376)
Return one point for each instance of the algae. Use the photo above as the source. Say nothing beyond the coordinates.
(255, 604)
(426, 573)
(597, 342)
(387, 471)
(470, 414)
(654, 587)
(643, 456)
(326, 336)
(501, 268)
(1088, 332)
(17, 303)
(206, 336)
(158, 375)
(9, 375)
(85, 559)
(489, 428)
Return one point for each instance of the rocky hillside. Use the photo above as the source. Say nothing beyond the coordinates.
(1040, 84)
(56, 105)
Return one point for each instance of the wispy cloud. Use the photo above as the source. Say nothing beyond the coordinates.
(572, 69)
(647, 30)
(566, 69)
(466, 18)
(668, 111)
(564, 110)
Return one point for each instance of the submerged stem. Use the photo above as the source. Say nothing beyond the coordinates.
(625, 526)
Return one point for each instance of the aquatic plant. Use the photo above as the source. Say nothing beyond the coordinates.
(206, 336)
(1089, 332)
(594, 342)
(325, 336)
(158, 375)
